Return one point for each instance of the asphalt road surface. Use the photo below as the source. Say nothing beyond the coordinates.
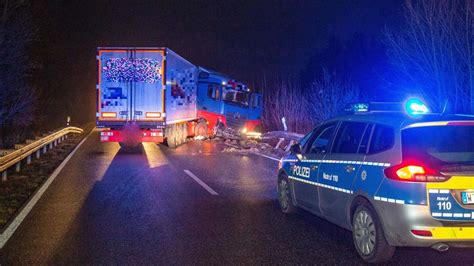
(108, 206)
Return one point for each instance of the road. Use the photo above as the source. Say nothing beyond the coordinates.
(108, 206)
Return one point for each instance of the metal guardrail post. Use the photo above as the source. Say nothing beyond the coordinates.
(288, 147)
(280, 141)
(38, 154)
(4, 176)
(18, 167)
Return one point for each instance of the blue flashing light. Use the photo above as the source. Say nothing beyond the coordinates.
(416, 107)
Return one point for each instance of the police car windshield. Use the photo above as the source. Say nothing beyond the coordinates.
(239, 97)
(439, 145)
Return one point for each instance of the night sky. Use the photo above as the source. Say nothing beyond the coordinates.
(245, 39)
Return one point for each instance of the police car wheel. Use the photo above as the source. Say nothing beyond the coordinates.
(369, 238)
(284, 196)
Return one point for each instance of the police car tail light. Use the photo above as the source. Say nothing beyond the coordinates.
(407, 172)
(414, 173)
(424, 233)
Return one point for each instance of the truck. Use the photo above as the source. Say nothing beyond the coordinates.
(152, 94)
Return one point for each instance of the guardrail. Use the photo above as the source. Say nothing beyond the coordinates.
(283, 136)
(25, 151)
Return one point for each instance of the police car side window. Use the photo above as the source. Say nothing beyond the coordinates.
(305, 139)
(383, 139)
(364, 144)
(321, 139)
(349, 137)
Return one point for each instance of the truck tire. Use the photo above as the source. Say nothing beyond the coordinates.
(177, 132)
(184, 133)
(181, 136)
(171, 136)
(201, 129)
(368, 236)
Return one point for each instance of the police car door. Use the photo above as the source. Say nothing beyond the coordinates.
(339, 168)
(305, 171)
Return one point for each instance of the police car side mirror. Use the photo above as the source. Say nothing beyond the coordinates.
(296, 149)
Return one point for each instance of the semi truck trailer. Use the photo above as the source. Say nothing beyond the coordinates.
(155, 95)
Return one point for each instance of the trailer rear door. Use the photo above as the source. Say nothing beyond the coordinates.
(130, 85)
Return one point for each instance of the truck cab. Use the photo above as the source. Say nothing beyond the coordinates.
(221, 98)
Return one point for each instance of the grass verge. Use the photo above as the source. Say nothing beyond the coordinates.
(16, 191)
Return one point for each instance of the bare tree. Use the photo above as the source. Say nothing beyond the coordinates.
(286, 99)
(434, 51)
(328, 96)
(304, 108)
(16, 96)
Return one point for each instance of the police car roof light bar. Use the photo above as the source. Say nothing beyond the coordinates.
(413, 107)
(374, 107)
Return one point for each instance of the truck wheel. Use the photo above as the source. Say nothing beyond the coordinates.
(177, 132)
(184, 133)
(368, 236)
(284, 196)
(201, 129)
(171, 136)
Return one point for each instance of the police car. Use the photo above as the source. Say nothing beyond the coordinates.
(392, 177)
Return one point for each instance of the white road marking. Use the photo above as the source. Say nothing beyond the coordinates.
(269, 157)
(200, 182)
(10, 230)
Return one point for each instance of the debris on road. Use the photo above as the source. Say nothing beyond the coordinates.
(274, 144)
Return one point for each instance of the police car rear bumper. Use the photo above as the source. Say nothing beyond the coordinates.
(399, 220)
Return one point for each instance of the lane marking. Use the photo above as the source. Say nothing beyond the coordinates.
(10, 230)
(200, 182)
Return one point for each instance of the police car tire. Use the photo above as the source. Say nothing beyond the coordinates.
(291, 208)
(382, 250)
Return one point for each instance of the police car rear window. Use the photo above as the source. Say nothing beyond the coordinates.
(439, 145)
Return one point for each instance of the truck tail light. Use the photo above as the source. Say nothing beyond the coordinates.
(106, 133)
(153, 115)
(414, 173)
(109, 114)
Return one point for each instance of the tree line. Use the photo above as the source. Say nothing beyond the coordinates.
(430, 55)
